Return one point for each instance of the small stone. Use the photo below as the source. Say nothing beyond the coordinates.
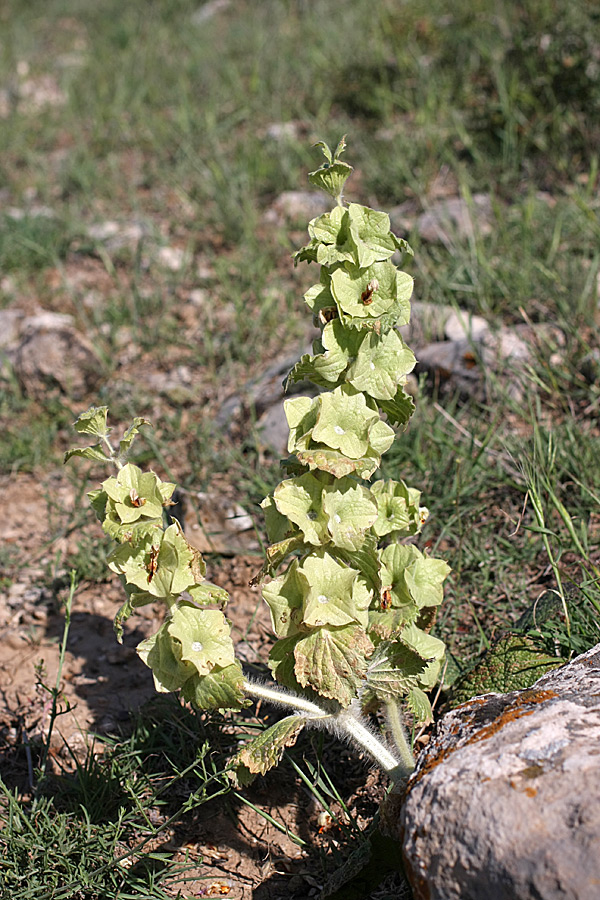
(454, 219)
(116, 235)
(172, 258)
(460, 325)
(209, 10)
(36, 94)
(283, 131)
(199, 298)
(52, 353)
(297, 206)
(34, 212)
(10, 325)
(590, 366)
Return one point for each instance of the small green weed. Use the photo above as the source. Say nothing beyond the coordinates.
(32, 242)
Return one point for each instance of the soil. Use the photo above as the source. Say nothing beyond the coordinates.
(240, 854)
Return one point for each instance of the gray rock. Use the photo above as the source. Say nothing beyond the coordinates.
(53, 354)
(462, 325)
(590, 366)
(209, 10)
(116, 235)
(284, 131)
(11, 321)
(273, 429)
(297, 206)
(505, 801)
(453, 218)
(487, 362)
(427, 323)
(453, 365)
(263, 392)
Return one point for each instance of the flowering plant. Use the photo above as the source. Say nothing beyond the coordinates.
(352, 600)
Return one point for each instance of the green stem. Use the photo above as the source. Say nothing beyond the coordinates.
(55, 691)
(541, 521)
(112, 454)
(399, 735)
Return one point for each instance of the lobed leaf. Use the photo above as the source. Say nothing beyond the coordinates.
(332, 595)
(331, 177)
(129, 436)
(265, 751)
(93, 421)
(333, 661)
(221, 689)
(95, 453)
(204, 636)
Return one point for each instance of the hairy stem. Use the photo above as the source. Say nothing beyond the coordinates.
(399, 735)
(281, 697)
(347, 723)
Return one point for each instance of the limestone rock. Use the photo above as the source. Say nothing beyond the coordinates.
(11, 321)
(297, 206)
(453, 218)
(505, 801)
(53, 354)
(116, 235)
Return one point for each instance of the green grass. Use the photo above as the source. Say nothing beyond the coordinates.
(87, 833)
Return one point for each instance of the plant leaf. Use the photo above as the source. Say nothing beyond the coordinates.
(96, 453)
(393, 670)
(419, 705)
(329, 597)
(344, 421)
(398, 510)
(221, 689)
(331, 178)
(350, 511)
(285, 596)
(382, 363)
(300, 500)
(370, 231)
(129, 436)
(265, 751)
(93, 421)
(204, 636)
(333, 661)
(162, 653)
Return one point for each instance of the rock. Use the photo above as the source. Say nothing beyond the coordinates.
(116, 235)
(215, 524)
(52, 353)
(172, 258)
(427, 323)
(36, 94)
(466, 364)
(34, 212)
(284, 131)
(505, 800)
(11, 321)
(208, 10)
(273, 429)
(460, 325)
(453, 218)
(262, 392)
(589, 365)
(454, 366)
(177, 385)
(297, 206)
